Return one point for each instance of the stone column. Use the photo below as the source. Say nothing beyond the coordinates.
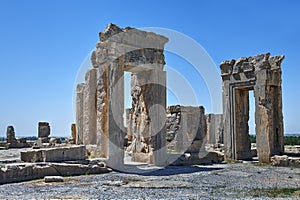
(73, 132)
(242, 141)
(148, 116)
(43, 130)
(268, 114)
(214, 128)
(89, 110)
(102, 112)
(116, 128)
(79, 113)
(10, 135)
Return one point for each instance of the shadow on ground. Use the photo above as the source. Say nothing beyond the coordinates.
(146, 170)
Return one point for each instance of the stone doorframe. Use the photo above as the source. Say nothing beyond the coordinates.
(99, 115)
(262, 74)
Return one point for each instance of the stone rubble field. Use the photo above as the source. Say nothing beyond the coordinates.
(220, 181)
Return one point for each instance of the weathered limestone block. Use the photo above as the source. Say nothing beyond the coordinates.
(10, 135)
(214, 128)
(262, 74)
(43, 130)
(79, 113)
(56, 154)
(186, 129)
(89, 108)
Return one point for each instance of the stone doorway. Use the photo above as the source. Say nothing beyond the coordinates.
(262, 74)
(100, 102)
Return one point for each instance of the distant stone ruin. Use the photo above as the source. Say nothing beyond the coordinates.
(44, 132)
(12, 141)
(262, 74)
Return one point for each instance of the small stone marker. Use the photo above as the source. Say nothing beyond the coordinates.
(51, 179)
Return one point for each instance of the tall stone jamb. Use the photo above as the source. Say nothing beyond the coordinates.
(262, 74)
(79, 112)
(89, 108)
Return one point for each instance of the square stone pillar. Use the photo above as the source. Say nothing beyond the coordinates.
(241, 138)
(79, 112)
(89, 109)
(116, 127)
(102, 112)
(214, 128)
(268, 117)
(149, 115)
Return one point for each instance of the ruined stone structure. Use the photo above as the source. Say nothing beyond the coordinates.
(43, 130)
(12, 141)
(100, 100)
(186, 129)
(10, 135)
(262, 74)
(214, 124)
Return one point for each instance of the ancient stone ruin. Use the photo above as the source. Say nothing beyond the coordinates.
(152, 129)
(12, 141)
(261, 73)
(100, 100)
(154, 133)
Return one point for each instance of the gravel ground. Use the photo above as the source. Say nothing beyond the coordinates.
(222, 181)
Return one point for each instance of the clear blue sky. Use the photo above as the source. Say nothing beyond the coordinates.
(43, 43)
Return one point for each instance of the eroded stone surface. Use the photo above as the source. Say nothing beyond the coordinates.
(56, 154)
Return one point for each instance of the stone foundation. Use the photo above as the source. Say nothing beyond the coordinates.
(57, 154)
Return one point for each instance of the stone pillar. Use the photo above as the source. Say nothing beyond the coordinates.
(73, 132)
(268, 113)
(110, 108)
(89, 108)
(79, 113)
(193, 128)
(241, 138)
(10, 135)
(102, 112)
(148, 117)
(214, 128)
(43, 130)
(187, 128)
(116, 128)
(155, 99)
